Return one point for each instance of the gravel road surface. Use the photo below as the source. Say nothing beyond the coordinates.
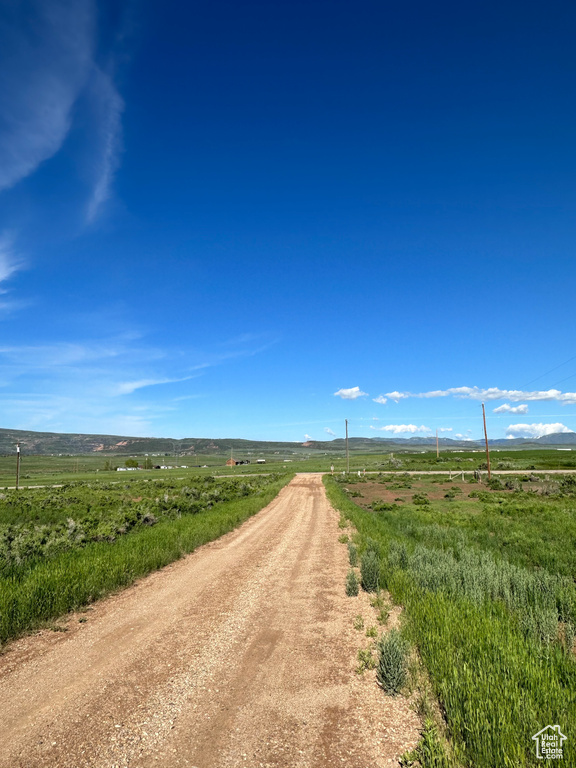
(240, 654)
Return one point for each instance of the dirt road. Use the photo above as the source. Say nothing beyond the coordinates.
(241, 654)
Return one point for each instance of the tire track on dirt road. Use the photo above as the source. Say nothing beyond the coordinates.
(240, 654)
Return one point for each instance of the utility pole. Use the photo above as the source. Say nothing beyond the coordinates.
(437, 448)
(486, 439)
(17, 465)
(347, 453)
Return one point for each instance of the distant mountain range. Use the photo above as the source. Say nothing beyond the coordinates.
(556, 439)
(47, 443)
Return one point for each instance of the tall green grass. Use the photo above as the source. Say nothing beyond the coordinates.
(42, 523)
(55, 586)
(498, 677)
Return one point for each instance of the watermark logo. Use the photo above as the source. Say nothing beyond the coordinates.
(549, 743)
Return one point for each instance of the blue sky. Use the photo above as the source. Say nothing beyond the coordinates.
(256, 219)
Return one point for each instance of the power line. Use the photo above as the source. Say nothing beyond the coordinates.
(550, 371)
(563, 380)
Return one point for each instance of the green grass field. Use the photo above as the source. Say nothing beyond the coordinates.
(487, 583)
(47, 470)
(63, 548)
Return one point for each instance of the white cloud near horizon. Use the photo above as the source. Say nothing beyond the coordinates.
(95, 385)
(381, 400)
(535, 430)
(119, 379)
(329, 431)
(307, 437)
(511, 408)
(398, 429)
(445, 429)
(490, 393)
(350, 394)
(76, 412)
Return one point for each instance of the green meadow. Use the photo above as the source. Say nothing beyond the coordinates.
(63, 548)
(486, 578)
(46, 470)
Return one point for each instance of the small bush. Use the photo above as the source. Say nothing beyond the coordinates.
(366, 660)
(352, 554)
(391, 667)
(352, 586)
(429, 752)
(382, 606)
(378, 505)
(370, 571)
(372, 546)
(383, 615)
(358, 622)
(420, 499)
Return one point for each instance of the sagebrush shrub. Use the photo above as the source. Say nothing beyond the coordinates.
(352, 554)
(391, 665)
(370, 571)
(352, 586)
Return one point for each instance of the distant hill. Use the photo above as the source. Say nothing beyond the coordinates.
(49, 443)
(558, 438)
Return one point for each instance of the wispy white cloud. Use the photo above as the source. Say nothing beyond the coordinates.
(511, 408)
(350, 394)
(48, 75)
(109, 106)
(128, 387)
(398, 429)
(307, 437)
(445, 429)
(380, 399)
(535, 430)
(329, 431)
(491, 393)
(91, 385)
(45, 59)
(9, 261)
(78, 413)
(59, 355)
